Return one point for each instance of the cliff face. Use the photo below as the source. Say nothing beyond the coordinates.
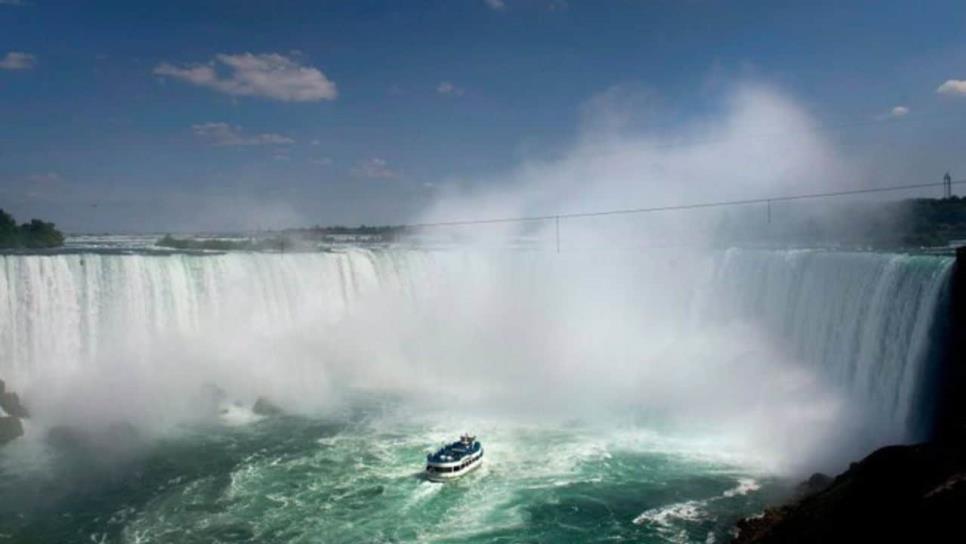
(950, 415)
(896, 494)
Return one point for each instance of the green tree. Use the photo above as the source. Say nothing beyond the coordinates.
(34, 235)
(9, 235)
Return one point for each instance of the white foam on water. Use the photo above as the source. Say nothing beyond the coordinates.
(745, 486)
(667, 517)
(424, 491)
(236, 414)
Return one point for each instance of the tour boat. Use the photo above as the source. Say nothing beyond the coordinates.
(454, 460)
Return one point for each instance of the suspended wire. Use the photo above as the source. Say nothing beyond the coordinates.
(654, 209)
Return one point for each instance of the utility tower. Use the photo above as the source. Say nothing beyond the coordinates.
(947, 186)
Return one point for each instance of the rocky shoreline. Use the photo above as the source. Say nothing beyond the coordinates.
(911, 493)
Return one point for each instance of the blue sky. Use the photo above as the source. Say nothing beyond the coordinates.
(166, 116)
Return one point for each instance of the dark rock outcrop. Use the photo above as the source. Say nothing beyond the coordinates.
(10, 425)
(265, 407)
(11, 404)
(210, 400)
(10, 428)
(65, 438)
(896, 494)
(814, 484)
(949, 417)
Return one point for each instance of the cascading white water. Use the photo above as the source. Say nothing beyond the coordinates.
(862, 319)
(866, 319)
(58, 312)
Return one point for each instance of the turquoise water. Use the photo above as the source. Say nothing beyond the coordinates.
(648, 383)
(355, 478)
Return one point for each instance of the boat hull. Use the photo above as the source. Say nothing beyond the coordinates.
(452, 471)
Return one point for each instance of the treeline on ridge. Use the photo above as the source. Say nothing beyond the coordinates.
(35, 234)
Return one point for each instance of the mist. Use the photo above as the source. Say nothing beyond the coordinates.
(756, 142)
(611, 332)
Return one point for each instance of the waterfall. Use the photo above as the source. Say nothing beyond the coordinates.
(864, 321)
(867, 320)
(61, 310)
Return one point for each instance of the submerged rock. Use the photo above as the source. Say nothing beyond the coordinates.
(10, 403)
(10, 428)
(896, 494)
(64, 437)
(265, 407)
(211, 399)
(116, 437)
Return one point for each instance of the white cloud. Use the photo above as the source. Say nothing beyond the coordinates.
(374, 168)
(953, 86)
(894, 113)
(268, 75)
(46, 178)
(322, 161)
(551, 5)
(17, 60)
(558, 5)
(445, 87)
(223, 134)
(899, 111)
